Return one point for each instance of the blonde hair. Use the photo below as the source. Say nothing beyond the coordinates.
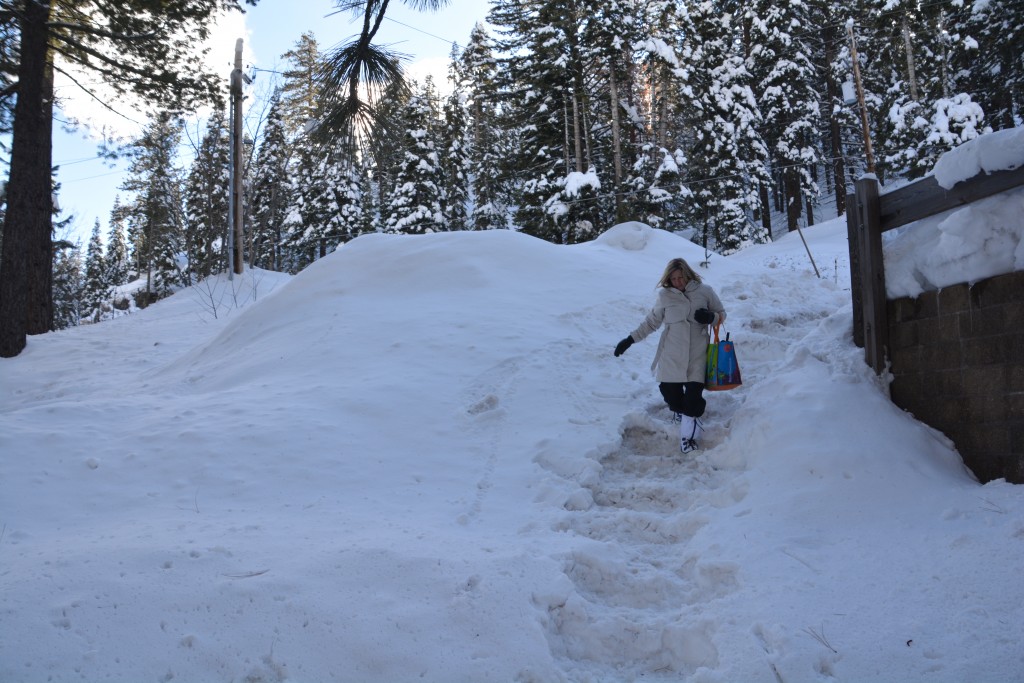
(682, 266)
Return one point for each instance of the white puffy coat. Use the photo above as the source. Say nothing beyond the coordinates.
(683, 347)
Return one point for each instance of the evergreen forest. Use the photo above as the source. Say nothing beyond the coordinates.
(729, 121)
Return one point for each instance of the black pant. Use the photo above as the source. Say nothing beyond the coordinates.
(684, 397)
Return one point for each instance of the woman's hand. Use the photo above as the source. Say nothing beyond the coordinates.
(704, 316)
(621, 347)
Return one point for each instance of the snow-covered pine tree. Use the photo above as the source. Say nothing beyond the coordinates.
(996, 71)
(271, 191)
(728, 158)
(67, 284)
(917, 56)
(785, 85)
(954, 117)
(367, 194)
(454, 141)
(156, 209)
(667, 192)
(840, 124)
(347, 217)
(415, 205)
(207, 194)
(659, 113)
(300, 93)
(489, 188)
(540, 82)
(952, 122)
(117, 262)
(96, 289)
(610, 32)
(384, 153)
(310, 210)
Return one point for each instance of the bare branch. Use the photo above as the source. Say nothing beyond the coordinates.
(93, 95)
(92, 30)
(142, 73)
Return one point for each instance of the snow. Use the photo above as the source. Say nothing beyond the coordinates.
(658, 47)
(419, 460)
(997, 151)
(577, 182)
(969, 243)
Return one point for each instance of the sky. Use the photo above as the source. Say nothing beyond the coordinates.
(89, 184)
(418, 459)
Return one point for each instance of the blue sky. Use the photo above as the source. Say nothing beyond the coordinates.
(89, 185)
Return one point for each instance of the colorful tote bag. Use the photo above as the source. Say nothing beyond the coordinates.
(723, 368)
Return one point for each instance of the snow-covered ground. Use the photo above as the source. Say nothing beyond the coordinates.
(419, 460)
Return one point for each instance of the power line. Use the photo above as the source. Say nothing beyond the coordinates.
(419, 30)
(101, 175)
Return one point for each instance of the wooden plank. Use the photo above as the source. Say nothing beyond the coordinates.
(926, 197)
(856, 293)
(872, 273)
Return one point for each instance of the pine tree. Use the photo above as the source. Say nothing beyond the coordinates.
(305, 218)
(785, 88)
(207, 195)
(996, 70)
(311, 210)
(479, 72)
(359, 77)
(346, 217)
(96, 290)
(661, 119)
(455, 159)
(729, 154)
(916, 49)
(841, 125)
(667, 190)
(301, 93)
(155, 214)
(954, 116)
(544, 111)
(67, 284)
(385, 154)
(415, 206)
(116, 263)
(611, 29)
(271, 192)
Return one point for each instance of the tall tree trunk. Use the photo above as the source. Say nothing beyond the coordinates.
(26, 264)
(791, 183)
(766, 209)
(576, 136)
(835, 134)
(661, 88)
(616, 144)
(908, 47)
(566, 154)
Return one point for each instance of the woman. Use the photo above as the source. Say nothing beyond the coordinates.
(686, 306)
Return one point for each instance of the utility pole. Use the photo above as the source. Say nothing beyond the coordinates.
(860, 98)
(235, 212)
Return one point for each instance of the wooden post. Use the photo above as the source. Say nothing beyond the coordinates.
(237, 163)
(868, 153)
(856, 292)
(872, 272)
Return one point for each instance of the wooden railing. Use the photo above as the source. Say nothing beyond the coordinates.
(871, 213)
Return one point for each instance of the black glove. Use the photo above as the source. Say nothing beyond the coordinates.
(704, 316)
(621, 347)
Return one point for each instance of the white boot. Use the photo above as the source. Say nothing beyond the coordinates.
(690, 432)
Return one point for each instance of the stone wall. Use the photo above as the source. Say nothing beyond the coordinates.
(957, 358)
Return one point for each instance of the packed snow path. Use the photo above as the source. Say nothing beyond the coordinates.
(638, 599)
